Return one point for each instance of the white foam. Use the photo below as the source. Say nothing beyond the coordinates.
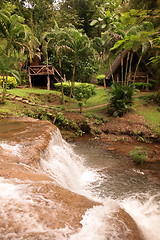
(19, 217)
(18, 202)
(145, 210)
(13, 149)
(67, 169)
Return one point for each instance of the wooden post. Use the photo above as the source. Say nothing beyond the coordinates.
(48, 82)
(30, 80)
(122, 80)
(147, 88)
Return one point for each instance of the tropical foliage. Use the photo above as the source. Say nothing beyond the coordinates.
(79, 37)
(121, 100)
(139, 155)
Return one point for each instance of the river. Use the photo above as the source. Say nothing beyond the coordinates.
(32, 207)
(126, 183)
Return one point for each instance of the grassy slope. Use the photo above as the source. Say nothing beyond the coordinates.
(150, 112)
(98, 99)
(25, 92)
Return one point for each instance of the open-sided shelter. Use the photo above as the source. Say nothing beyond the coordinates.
(128, 67)
(42, 75)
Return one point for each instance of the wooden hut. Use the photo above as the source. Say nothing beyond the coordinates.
(125, 69)
(42, 75)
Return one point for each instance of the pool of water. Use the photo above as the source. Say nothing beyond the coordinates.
(121, 177)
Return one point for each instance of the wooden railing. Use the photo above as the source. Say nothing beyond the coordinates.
(46, 70)
(41, 70)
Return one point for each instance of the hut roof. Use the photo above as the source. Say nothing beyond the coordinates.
(117, 63)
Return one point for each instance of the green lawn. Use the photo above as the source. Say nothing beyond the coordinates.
(24, 92)
(149, 111)
(98, 99)
(151, 114)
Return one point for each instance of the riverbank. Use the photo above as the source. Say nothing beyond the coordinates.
(43, 186)
(122, 135)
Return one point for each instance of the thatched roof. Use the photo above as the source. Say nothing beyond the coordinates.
(117, 63)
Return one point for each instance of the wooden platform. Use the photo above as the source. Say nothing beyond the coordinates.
(44, 70)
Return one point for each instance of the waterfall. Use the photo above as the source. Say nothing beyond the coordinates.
(29, 209)
(61, 162)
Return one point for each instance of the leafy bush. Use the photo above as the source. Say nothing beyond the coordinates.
(152, 99)
(121, 99)
(100, 79)
(86, 89)
(156, 99)
(142, 85)
(66, 88)
(11, 82)
(139, 155)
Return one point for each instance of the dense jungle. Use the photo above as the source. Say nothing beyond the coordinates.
(80, 119)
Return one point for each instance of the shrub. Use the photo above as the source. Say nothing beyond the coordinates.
(139, 155)
(84, 91)
(100, 79)
(66, 88)
(142, 85)
(85, 88)
(121, 99)
(11, 82)
(156, 99)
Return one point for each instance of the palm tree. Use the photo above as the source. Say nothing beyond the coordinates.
(16, 35)
(77, 44)
(136, 37)
(68, 42)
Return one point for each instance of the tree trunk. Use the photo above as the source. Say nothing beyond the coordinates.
(80, 109)
(111, 72)
(73, 78)
(29, 78)
(48, 82)
(62, 88)
(4, 87)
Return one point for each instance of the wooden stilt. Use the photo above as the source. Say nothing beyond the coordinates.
(147, 88)
(30, 81)
(48, 82)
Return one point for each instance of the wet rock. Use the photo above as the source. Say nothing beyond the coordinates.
(128, 229)
(49, 206)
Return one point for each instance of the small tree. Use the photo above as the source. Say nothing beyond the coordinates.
(83, 93)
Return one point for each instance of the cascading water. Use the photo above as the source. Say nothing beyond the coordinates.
(62, 164)
(70, 172)
(28, 209)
